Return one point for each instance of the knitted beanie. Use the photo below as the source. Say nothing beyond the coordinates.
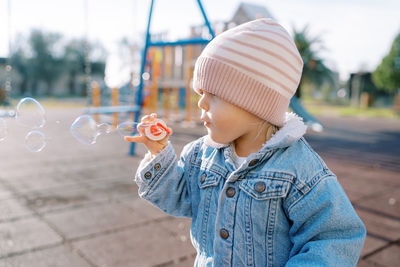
(255, 66)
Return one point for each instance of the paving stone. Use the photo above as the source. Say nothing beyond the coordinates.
(143, 207)
(366, 263)
(94, 219)
(114, 188)
(4, 193)
(147, 245)
(379, 226)
(372, 244)
(389, 257)
(357, 189)
(59, 256)
(27, 234)
(388, 203)
(348, 170)
(185, 262)
(13, 208)
(62, 198)
(178, 226)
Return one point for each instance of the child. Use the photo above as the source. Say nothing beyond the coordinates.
(258, 195)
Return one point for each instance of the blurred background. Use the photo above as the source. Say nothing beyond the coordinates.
(64, 203)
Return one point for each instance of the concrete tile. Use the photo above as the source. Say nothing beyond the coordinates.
(147, 245)
(388, 257)
(388, 203)
(347, 170)
(143, 207)
(379, 226)
(60, 256)
(62, 198)
(24, 235)
(4, 192)
(357, 189)
(13, 208)
(114, 188)
(86, 221)
(178, 226)
(372, 244)
(366, 263)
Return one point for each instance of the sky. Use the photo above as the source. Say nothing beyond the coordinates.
(355, 34)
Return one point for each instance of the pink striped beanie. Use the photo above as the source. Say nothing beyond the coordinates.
(255, 66)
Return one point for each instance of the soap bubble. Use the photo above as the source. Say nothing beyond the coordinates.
(35, 141)
(127, 128)
(30, 113)
(3, 129)
(86, 130)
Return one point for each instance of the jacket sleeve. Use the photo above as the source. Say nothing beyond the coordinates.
(163, 180)
(325, 231)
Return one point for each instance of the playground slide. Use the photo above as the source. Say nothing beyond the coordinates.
(308, 119)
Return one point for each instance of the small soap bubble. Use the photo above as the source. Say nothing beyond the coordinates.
(127, 128)
(86, 130)
(35, 141)
(3, 129)
(392, 201)
(30, 113)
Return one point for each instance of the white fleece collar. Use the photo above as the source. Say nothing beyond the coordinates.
(292, 130)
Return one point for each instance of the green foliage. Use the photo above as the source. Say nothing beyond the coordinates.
(315, 71)
(387, 74)
(43, 58)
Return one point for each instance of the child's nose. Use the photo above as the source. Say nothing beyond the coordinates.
(202, 104)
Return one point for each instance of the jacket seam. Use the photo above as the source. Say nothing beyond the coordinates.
(326, 176)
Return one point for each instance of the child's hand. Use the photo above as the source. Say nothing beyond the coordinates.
(154, 147)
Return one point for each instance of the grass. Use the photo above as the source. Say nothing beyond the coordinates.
(314, 107)
(348, 111)
(53, 102)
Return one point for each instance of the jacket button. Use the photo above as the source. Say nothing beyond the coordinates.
(157, 166)
(224, 233)
(203, 178)
(253, 162)
(147, 175)
(230, 192)
(259, 187)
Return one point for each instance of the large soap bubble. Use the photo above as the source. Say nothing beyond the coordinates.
(30, 113)
(86, 130)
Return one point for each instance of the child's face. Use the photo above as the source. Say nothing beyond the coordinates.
(225, 122)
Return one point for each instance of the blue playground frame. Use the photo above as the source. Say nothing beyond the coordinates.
(148, 43)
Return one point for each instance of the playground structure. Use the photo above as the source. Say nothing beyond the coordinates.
(167, 77)
(166, 67)
(165, 74)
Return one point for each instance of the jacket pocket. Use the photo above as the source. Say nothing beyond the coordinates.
(263, 188)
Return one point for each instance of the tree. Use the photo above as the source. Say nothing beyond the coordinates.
(314, 70)
(387, 74)
(74, 58)
(44, 64)
(19, 62)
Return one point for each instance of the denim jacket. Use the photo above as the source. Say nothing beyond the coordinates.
(282, 207)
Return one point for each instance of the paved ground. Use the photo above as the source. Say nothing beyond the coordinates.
(76, 205)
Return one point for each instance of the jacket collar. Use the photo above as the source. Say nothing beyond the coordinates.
(292, 130)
